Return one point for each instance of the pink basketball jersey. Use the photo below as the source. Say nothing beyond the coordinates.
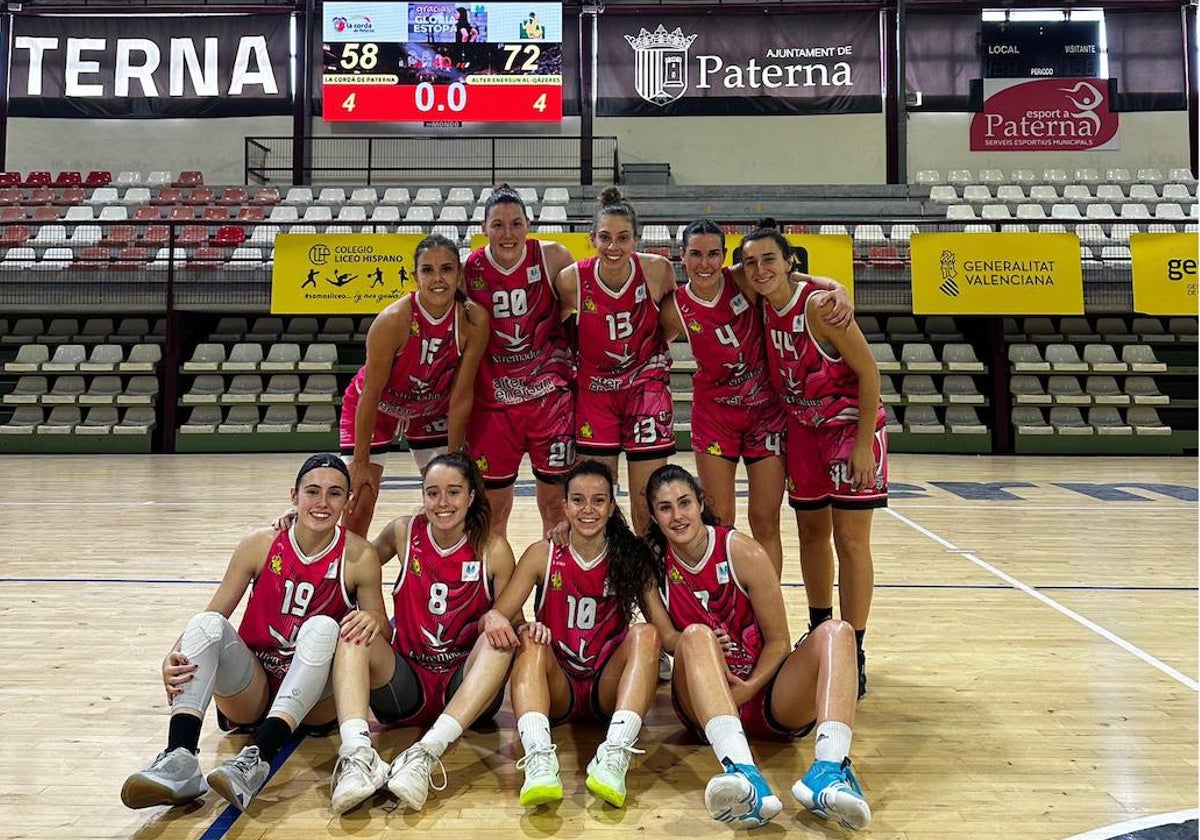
(291, 588)
(726, 337)
(423, 371)
(710, 594)
(438, 599)
(583, 615)
(620, 342)
(527, 355)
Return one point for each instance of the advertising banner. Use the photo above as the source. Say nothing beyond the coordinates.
(1044, 115)
(826, 256)
(341, 273)
(1164, 273)
(730, 65)
(150, 66)
(996, 274)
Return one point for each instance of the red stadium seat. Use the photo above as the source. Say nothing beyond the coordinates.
(131, 258)
(69, 178)
(41, 195)
(251, 214)
(11, 195)
(92, 258)
(156, 235)
(168, 195)
(147, 214)
(215, 214)
(190, 235)
(38, 178)
(206, 259)
(47, 213)
(189, 178)
(121, 235)
(201, 196)
(797, 229)
(71, 196)
(885, 256)
(98, 178)
(10, 179)
(265, 196)
(12, 214)
(230, 236)
(179, 213)
(234, 197)
(14, 235)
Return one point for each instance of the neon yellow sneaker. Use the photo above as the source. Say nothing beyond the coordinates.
(606, 772)
(542, 782)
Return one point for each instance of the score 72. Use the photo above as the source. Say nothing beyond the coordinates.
(532, 53)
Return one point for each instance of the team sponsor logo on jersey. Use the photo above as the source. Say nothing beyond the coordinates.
(470, 570)
(586, 430)
(415, 566)
(695, 326)
(714, 448)
(674, 576)
(414, 328)
(723, 573)
(556, 580)
(482, 463)
(331, 572)
(479, 283)
(276, 563)
(639, 294)
(798, 324)
(738, 304)
(533, 274)
(589, 305)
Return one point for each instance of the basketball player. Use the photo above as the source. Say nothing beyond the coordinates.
(828, 383)
(422, 355)
(313, 585)
(736, 673)
(624, 398)
(523, 394)
(735, 413)
(438, 669)
(581, 660)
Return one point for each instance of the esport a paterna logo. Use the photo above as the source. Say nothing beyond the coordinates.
(662, 72)
(1044, 115)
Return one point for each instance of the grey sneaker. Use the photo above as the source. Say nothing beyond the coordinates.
(241, 777)
(411, 776)
(666, 666)
(171, 779)
(356, 777)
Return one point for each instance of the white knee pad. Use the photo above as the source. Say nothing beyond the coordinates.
(224, 664)
(203, 631)
(307, 680)
(317, 641)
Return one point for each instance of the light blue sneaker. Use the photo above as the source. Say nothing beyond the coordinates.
(741, 796)
(830, 791)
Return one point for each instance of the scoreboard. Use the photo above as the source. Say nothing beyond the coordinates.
(433, 62)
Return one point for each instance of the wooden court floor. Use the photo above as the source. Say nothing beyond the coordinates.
(1032, 660)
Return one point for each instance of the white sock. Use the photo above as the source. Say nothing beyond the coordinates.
(355, 734)
(624, 727)
(444, 732)
(728, 739)
(833, 741)
(534, 729)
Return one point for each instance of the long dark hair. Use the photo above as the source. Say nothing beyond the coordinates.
(478, 524)
(768, 229)
(654, 534)
(630, 565)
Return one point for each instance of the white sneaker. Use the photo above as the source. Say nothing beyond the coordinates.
(606, 772)
(356, 777)
(171, 779)
(666, 666)
(241, 777)
(411, 776)
(542, 782)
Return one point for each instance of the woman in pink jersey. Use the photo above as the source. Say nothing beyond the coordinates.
(624, 389)
(828, 383)
(422, 355)
(736, 673)
(581, 659)
(437, 668)
(524, 393)
(311, 584)
(735, 413)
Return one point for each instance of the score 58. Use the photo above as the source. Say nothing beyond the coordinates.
(354, 58)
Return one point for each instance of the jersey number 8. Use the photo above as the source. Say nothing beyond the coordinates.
(438, 593)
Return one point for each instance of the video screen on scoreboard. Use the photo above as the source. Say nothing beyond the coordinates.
(434, 62)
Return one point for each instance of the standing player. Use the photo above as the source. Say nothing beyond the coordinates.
(737, 675)
(437, 669)
(422, 355)
(624, 400)
(523, 393)
(837, 442)
(581, 660)
(273, 671)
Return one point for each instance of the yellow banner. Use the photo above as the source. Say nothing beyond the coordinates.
(341, 273)
(996, 274)
(1164, 273)
(826, 256)
(579, 244)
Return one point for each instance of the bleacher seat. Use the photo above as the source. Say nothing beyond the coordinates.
(282, 388)
(29, 390)
(320, 388)
(281, 356)
(66, 358)
(337, 328)
(1026, 358)
(317, 418)
(243, 388)
(919, 388)
(278, 419)
(893, 424)
(1043, 193)
(317, 214)
(887, 390)
(552, 213)
(922, 419)
(1064, 358)
(943, 194)
(189, 178)
(976, 194)
(428, 195)
(202, 420)
(961, 357)
(1031, 211)
(1090, 177)
(962, 420)
(104, 357)
(1143, 390)
(1028, 390)
(140, 390)
(65, 391)
(1041, 330)
(24, 420)
(1102, 358)
(385, 213)
(960, 212)
(245, 356)
(1169, 211)
(1106, 420)
(206, 357)
(62, 420)
(1067, 420)
(556, 195)
(240, 419)
(928, 177)
(395, 195)
(918, 356)
(959, 388)
(99, 420)
(1065, 390)
(332, 196)
(206, 388)
(1141, 359)
(869, 326)
(1103, 390)
(1184, 329)
(144, 358)
(885, 357)
(995, 213)
(1145, 421)
(137, 420)
(265, 196)
(351, 213)
(1135, 211)
(418, 213)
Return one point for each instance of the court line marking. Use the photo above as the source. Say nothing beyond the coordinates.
(1154, 821)
(1050, 602)
(225, 820)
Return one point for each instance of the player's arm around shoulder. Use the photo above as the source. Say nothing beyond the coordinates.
(476, 329)
(364, 584)
(557, 259)
(670, 320)
(391, 538)
(567, 286)
(835, 307)
(660, 276)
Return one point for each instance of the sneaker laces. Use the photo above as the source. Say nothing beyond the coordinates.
(357, 759)
(616, 757)
(427, 760)
(246, 760)
(536, 761)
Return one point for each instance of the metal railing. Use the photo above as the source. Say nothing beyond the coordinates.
(399, 159)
